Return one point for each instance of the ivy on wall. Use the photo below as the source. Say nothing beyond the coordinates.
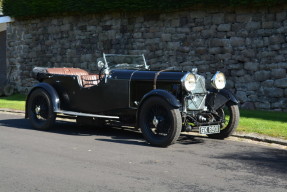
(39, 8)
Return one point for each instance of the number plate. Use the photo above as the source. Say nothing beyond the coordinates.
(211, 129)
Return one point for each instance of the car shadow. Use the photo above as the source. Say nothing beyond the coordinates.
(269, 160)
(187, 139)
(111, 134)
(15, 123)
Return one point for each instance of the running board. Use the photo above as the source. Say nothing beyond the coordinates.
(85, 114)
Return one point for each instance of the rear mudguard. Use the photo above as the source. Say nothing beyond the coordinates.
(217, 98)
(52, 93)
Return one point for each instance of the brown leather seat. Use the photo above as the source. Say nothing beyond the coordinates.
(87, 80)
(90, 80)
(67, 71)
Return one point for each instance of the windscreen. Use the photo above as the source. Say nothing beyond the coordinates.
(125, 61)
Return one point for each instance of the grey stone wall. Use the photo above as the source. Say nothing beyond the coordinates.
(249, 46)
(3, 67)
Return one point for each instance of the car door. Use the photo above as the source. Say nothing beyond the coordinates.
(109, 95)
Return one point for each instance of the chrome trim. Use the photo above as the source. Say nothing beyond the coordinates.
(184, 78)
(85, 114)
(214, 78)
(146, 66)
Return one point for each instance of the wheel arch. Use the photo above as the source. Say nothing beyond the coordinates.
(52, 93)
(217, 98)
(228, 94)
(170, 98)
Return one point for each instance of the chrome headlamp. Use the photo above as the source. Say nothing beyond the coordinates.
(189, 81)
(218, 81)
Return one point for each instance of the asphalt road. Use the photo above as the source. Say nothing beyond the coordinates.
(69, 158)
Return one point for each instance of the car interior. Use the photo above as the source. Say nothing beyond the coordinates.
(86, 79)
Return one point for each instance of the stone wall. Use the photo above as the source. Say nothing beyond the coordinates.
(249, 46)
(3, 67)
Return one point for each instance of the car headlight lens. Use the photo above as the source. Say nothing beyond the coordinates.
(189, 82)
(218, 81)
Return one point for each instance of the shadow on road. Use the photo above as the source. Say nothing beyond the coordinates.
(114, 134)
(15, 123)
(186, 139)
(260, 162)
(254, 159)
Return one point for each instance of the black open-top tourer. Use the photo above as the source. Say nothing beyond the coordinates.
(162, 104)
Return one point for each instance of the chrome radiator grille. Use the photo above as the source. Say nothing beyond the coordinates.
(196, 101)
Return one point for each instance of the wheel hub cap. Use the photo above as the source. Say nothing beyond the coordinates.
(37, 110)
(155, 121)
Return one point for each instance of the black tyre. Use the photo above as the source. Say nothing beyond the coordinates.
(160, 123)
(40, 110)
(230, 114)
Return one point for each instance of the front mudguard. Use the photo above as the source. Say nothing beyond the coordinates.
(217, 98)
(170, 98)
(52, 93)
(167, 96)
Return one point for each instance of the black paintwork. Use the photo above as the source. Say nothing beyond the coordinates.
(122, 92)
(51, 91)
(217, 98)
(169, 97)
(100, 98)
(142, 82)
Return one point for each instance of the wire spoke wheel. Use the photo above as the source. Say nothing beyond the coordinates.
(40, 110)
(229, 114)
(158, 120)
(225, 114)
(160, 123)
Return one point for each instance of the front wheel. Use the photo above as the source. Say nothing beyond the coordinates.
(160, 123)
(230, 115)
(40, 110)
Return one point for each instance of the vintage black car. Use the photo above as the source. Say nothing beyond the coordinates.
(162, 104)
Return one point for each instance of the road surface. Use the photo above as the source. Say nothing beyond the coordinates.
(70, 158)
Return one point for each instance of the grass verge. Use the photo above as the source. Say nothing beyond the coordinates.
(263, 122)
(269, 123)
(16, 101)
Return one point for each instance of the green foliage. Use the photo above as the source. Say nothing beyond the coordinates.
(33, 8)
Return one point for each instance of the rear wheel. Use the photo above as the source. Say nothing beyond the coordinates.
(40, 110)
(230, 115)
(160, 123)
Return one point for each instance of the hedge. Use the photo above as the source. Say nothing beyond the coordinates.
(38, 8)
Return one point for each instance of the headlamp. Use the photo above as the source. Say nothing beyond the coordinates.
(189, 81)
(218, 81)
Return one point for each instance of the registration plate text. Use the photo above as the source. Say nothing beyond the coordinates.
(210, 129)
